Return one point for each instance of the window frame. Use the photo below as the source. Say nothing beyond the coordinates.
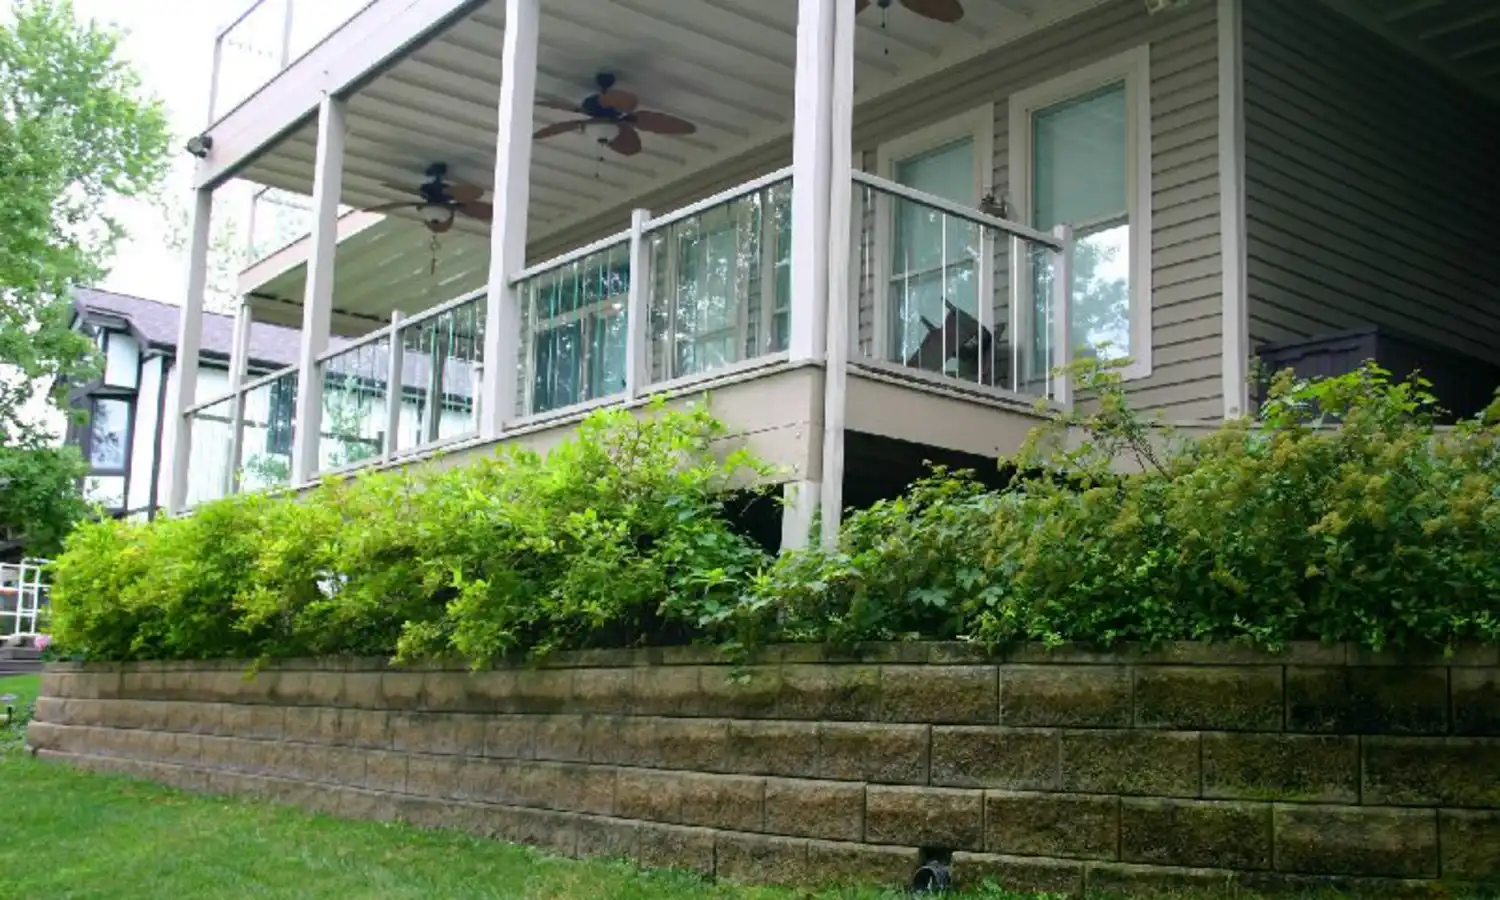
(127, 442)
(977, 124)
(1133, 68)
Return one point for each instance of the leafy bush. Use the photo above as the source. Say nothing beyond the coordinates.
(615, 537)
(1341, 513)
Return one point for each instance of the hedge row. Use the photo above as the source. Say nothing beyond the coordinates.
(1340, 513)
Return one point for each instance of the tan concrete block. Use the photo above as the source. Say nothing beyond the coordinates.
(756, 859)
(433, 776)
(345, 766)
(1071, 696)
(367, 805)
(365, 728)
(263, 723)
(722, 801)
(607, 838)
(876, 752)
(324, 688)
(491, 781)
(1045, 824)
(1470, 844)
(361, 690)
(1026, 759)
(675, 847)
(1350, 840)
(560, 737)
(402, 690)
(772, 748)
(822, 809)
(510, 736)
(860, 865)
(551, 831)
(1128, 880)
(666, 691)
(1432, 771)
(385, 771)
(1196, 834)
(1298, 768)
(1160, 763)
(603, 691)
(830, 692)
(1219, 698)
(542, 692)
(1372, 700)
(646, 794)
(948, 695)
(925, 817)
(1018, 873)
(1476, 701)
(749, 693)
(694, 744)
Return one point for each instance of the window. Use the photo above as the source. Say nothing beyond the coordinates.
(1080, 155)
(122, 360)
(931, 264)
(578, 327)
(109, 435)
(280, 416)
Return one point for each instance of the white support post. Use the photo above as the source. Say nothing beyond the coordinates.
(799, 506)
(317, 301)
(1235, 309)
(287, 25)
(395, 380)
(812, 163)
(637, 307)
(512, 197)
(189, 338)
(840, 245)
(239, 362)
(1062, 314)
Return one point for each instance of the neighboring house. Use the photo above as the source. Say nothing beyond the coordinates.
(884, 231)
(122, 437)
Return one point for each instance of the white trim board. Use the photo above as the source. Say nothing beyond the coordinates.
(1134, 68)
(1232, 227)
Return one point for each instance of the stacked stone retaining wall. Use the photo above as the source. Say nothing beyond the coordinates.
(1052, 770)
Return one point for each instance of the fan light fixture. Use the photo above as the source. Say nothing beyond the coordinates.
(438, 218)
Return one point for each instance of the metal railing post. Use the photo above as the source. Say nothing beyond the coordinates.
(637, 306)
(395, 382)
(1062, 313)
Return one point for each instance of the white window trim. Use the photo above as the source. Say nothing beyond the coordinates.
(1134, 67)
(978, 124)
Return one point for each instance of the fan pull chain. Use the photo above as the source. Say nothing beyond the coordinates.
(434, 245)
(885, 19)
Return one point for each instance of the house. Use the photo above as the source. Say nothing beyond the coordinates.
(123, 436)
(789, 203)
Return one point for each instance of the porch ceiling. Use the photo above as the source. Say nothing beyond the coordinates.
(382, 264)
(1462, 36)
(727, 65)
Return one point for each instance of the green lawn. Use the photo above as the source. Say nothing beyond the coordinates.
(23, 688)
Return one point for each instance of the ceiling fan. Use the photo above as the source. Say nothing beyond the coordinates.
(440, 202)
(936, 10)
(616, 108)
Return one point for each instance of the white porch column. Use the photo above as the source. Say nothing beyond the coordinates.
(189, 336)
(239, 361)
(317, 301)
(840, 245)
(812, 158)
(512, 198)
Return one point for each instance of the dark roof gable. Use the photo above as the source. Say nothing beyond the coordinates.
(271, 346)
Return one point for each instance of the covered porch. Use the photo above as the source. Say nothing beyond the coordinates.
(745, 258)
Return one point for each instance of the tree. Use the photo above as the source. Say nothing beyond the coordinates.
(76, 133)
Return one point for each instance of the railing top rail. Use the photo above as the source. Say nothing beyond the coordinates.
(958, 210)
(406, 322)
(572, 256)
(245, 388)
(750, 187)
(238, 19)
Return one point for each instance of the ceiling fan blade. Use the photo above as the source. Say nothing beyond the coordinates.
(627, 142)
(860, 6)
(564, 105)
(561, 128)
(391, 207)
(624, 101)
(938, 10)
(465, 193)
(661, 123)
(401, 188)
(478, 209)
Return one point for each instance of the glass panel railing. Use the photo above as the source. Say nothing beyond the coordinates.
(441, 363)
(953, 293)
(211, 475)
(720, 289)
(277, 218)
(574, 326)
(267, 37)
(356, 390)
(269, 426)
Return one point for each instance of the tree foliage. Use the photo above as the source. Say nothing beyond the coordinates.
(76, 132)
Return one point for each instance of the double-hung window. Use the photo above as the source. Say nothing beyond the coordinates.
(1080, 156)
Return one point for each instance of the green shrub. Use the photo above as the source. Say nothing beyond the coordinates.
(615, 537)
(1340, 513)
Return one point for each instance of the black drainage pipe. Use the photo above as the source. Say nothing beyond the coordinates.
(934, 877)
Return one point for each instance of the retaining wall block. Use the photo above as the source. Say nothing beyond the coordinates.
(1018, 873)
(1348, 840)
(819, 809)
(734, 802)
(1131, 762)
(1476, 701)
(1432, 771)
(1288, 767)
(940, 695)
(1067, 696)
(761, 859)
(863, 751)
(1196, 833)
(1045, 824)
(1023, 759)
(925, 817)
(1217, 698)
(1471, 845)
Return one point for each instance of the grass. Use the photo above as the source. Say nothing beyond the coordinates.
(12, 726)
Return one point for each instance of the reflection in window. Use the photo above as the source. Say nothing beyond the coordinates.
(577, 321)
(109, 432)
(1080, 176)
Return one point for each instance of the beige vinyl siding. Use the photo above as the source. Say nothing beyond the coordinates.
(1371, 186)
(1186, 298)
